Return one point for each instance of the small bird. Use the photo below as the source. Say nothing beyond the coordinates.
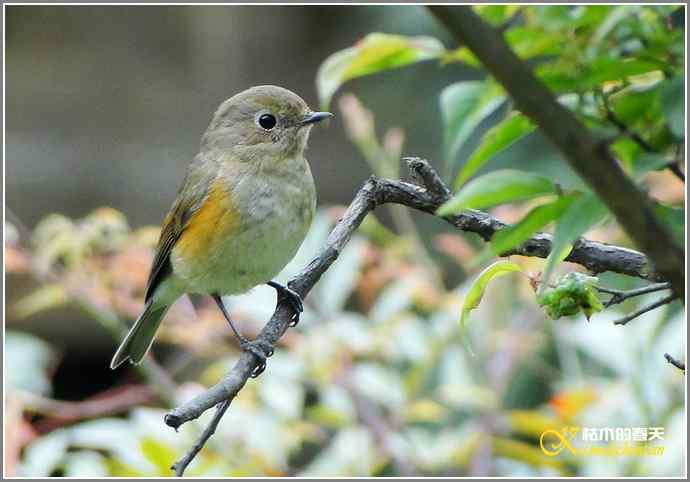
(239, 217)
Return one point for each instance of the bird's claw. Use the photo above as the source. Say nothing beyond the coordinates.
(261, 350)
(292, 297)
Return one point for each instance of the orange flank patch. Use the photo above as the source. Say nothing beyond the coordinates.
(569, 403)
(215, 219)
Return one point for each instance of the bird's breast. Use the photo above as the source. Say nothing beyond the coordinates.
(252, 231)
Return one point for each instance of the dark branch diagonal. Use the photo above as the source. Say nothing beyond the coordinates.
(589, 157)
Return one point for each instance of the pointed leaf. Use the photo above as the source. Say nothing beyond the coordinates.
(496, 139)
(374, 53)
(476, 291)
(582, 215)
(512, 236)
(497, 187)
(464, 106)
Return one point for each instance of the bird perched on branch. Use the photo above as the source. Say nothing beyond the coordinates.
(240, 215)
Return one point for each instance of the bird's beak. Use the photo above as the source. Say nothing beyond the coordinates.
(314, 117)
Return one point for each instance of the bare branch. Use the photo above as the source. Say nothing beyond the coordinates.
(181, 465)
(427, 197)
(652, 306)
(679, 365)
(621, 296)
(589, 156)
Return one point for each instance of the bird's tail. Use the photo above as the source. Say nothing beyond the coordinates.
(140, 336)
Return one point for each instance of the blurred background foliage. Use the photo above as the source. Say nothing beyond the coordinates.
(377, 378)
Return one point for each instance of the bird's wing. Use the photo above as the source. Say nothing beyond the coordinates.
(190, 197)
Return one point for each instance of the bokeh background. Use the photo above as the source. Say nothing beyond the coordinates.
(105, 106)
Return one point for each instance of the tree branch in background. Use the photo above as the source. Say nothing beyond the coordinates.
(679, 365)
(62, 412)
(426, 196)
(589, 157)
(645, 309)
(621, 296)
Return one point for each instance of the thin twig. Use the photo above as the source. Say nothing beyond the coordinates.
(675, 165)
(597, 257)
(675, 169)
(622, 127)
(181, 465)
(645, 309)
(678, 364)
(620, 296)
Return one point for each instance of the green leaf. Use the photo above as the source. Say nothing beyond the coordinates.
(496, 14)
(530, 42)
(580, 216)
(673, 105)
(637, 103)
(565, 77)
(476, 291)
(558, 76)
(496, 139)
(614, 17)
(606, 69)
(159, 454)
(512, 236)
(461, 54)
(464, 106)
(553, 17)
(573, 292)
(526, 42)
(374, 53)
(627, 151)
(497, 187)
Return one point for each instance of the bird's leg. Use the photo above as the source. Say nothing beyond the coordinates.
(260, 349)
(292, 297)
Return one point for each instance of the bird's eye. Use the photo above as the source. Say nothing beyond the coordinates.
(267, 121)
